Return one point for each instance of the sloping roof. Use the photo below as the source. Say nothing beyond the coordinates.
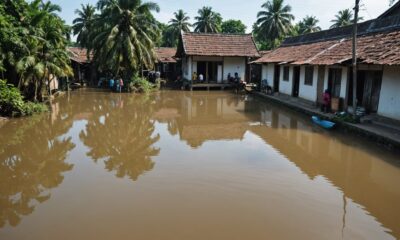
(380, 49)
(394, 10)
(378, 43)
(217, 44)
(290, 54)
(166, 55)
(79, 55)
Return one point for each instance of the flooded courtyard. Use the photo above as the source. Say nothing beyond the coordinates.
(190, 165)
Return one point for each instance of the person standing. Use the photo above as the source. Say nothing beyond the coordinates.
(326, 102)
(201, 77)
(111, 83)
(121, 84)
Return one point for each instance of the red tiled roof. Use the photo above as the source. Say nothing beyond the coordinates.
(79, 55)
(217, 44)
(166, 55)
(381, 49)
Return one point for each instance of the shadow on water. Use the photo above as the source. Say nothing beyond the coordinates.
(33, 156)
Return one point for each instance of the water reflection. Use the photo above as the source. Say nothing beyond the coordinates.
(214, 158)
(198, 118)
(32, 162)
(353, 165)
(121, 132)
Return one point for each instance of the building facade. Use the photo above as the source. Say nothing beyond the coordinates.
(307, 65)
(216, 56)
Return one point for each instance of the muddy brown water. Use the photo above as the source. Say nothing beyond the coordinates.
(180, 165)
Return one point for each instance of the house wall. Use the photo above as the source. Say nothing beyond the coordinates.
(267, 72)
(306, 91)
(286, 86)
(187, 67)
(389, 102)
(234, 65)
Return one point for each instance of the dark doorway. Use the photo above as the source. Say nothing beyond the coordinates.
(368, 90)
(277, 74)
(212, 71)
(202, 69)
(335, 82)
(296, 81)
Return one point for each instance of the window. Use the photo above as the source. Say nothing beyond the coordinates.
(286, 74)
(309, 76)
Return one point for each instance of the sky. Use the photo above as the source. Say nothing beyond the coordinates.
(246, 10)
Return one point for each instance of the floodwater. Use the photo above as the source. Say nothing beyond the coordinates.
(185, 166)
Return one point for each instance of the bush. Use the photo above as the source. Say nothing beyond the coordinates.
(12, 103)
(141, 85)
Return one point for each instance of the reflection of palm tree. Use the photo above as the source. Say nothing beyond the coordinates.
(31, 163)
(125, 139)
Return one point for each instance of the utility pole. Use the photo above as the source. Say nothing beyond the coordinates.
(356, 9)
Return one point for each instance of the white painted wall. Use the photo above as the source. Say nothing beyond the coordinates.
(187, 68)
(234, 65)
(306, 91)
(264, 72)
(286, 86)
(343, 87)
(389, 102)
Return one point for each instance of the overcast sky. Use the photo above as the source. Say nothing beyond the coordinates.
(246, 10)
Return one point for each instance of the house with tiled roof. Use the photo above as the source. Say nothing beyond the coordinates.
(216, 56)
(305, 66)
(81, 64)
(166, 62)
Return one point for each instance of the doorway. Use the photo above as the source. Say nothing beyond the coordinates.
(296, 81)
(277, 73)
(368, 90)
(335, 82)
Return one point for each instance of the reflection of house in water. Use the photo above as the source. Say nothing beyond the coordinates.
(209, 117)
(363, 177)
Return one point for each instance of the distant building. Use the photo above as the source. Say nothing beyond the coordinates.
(81, 64)
(215, 55)
(166, 63)
(304, 66)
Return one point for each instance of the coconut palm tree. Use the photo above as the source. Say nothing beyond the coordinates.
(344, 18)
(83, 24)
(309, 25)
(172, 32)
(124, 36)
(180, 22)
(208, 21)
(275, 19)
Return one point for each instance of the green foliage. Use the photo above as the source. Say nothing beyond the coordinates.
(172, 32)
(83, 24)
(123, 36)
(344, 18)
(12, 103)
(275, 20)
(308, 25)
(208, 21)
(233, 26)
(140, 85)
(33, 40)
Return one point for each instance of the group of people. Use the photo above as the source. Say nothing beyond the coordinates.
(199, 77)
(116, 85)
